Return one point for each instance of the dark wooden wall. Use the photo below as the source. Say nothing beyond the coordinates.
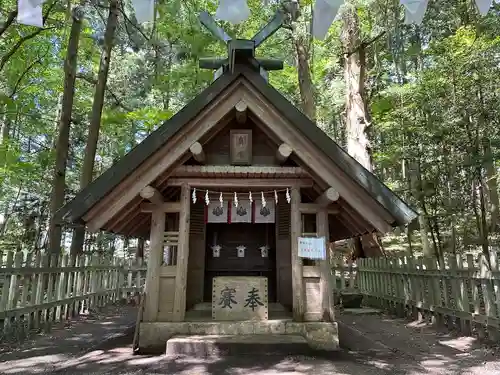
(283, 253)
(230, 236)
(196, 261)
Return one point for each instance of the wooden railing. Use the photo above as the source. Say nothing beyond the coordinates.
(462, 291)
(38, 290)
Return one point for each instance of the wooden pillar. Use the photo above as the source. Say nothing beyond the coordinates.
(325, 268)
(154, 263)
(182, 256)
(295, 232)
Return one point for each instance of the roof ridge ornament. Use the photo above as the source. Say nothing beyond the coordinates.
(242, 51)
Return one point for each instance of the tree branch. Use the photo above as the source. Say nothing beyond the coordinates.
(365, 44)
(93, 81)
(133, 24)
(10, 19)
(21, 77)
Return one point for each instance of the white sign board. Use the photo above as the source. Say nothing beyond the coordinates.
(312, 247)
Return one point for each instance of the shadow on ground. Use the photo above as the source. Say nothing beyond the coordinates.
(410, 349)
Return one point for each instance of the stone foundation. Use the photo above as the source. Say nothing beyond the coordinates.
(319, 335)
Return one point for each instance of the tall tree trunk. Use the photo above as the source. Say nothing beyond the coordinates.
(418, 192)
(95, 120)
(357, 116)
(304, 74)
(491, 176)
(62, 145)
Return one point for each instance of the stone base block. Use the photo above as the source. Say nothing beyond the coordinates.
(221, 345)
(319, 335)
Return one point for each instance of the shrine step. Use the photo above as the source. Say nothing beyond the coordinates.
(229, 345)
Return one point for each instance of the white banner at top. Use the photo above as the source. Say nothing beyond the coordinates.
(29, 12)
(144, 10)
(234, 11)
(483, 6)
(324, 14)
(414, 11)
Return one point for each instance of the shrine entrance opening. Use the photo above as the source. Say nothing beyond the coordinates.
(244, 249)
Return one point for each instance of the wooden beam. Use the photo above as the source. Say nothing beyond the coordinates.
(154, 263)
(122, 219)
(357, 219)
(132, 216)
(295, 232)
(197, 150)
(233, 171)
(168, 207)
(283, 153)
(241, 112)
(270, 183)
(329, 195)
(130, 229)
(150, 193)
(313, 208)
(326, 279)
(182, 256)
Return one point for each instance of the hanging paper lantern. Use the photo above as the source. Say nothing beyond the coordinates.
(144, 10)
(324, 14)
(234, 11)
(29, 12)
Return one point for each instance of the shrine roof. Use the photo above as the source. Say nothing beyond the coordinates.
(74, 210)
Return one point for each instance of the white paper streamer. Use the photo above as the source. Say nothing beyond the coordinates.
(414, 11)
(234, 11)
(324, 13)
(144, 10)
(483, 6)
(29, 12)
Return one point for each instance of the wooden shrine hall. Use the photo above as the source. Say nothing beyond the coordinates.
(232, 192)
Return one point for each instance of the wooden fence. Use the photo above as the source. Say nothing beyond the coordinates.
(36, 291)
(462, 293)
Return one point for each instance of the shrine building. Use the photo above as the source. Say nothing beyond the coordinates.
(238, 194)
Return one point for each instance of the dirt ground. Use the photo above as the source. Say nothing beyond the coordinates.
(101, 344)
